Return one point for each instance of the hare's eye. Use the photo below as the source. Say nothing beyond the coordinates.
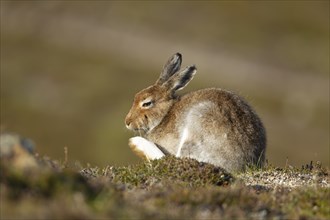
(146, 104)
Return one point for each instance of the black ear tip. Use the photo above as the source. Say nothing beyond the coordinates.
(178, 54)
(192, 68)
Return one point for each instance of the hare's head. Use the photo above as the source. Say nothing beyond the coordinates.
(152, 104)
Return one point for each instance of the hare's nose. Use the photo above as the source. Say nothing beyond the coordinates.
(128, 123)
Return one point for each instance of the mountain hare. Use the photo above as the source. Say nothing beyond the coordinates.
(210, 125)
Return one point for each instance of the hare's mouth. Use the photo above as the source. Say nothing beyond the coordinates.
(140, 132)
(140, 129)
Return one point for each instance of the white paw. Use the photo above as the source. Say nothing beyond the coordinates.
(142, 146)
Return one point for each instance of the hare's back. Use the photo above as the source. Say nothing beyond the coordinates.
(224, 129)
(218, 110)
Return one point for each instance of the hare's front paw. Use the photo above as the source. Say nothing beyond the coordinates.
(145, 148)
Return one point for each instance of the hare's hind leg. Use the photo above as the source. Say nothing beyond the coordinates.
(144, 148)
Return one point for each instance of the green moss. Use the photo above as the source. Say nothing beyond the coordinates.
(307, 202)
(170, 169)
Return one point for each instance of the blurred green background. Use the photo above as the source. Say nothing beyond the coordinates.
(70, 69)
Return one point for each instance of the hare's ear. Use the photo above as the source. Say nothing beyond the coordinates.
(172, 66)
(181, 79)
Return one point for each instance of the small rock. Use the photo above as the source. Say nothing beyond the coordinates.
(16, 151)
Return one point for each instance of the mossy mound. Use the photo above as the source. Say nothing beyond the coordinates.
(188, 172)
